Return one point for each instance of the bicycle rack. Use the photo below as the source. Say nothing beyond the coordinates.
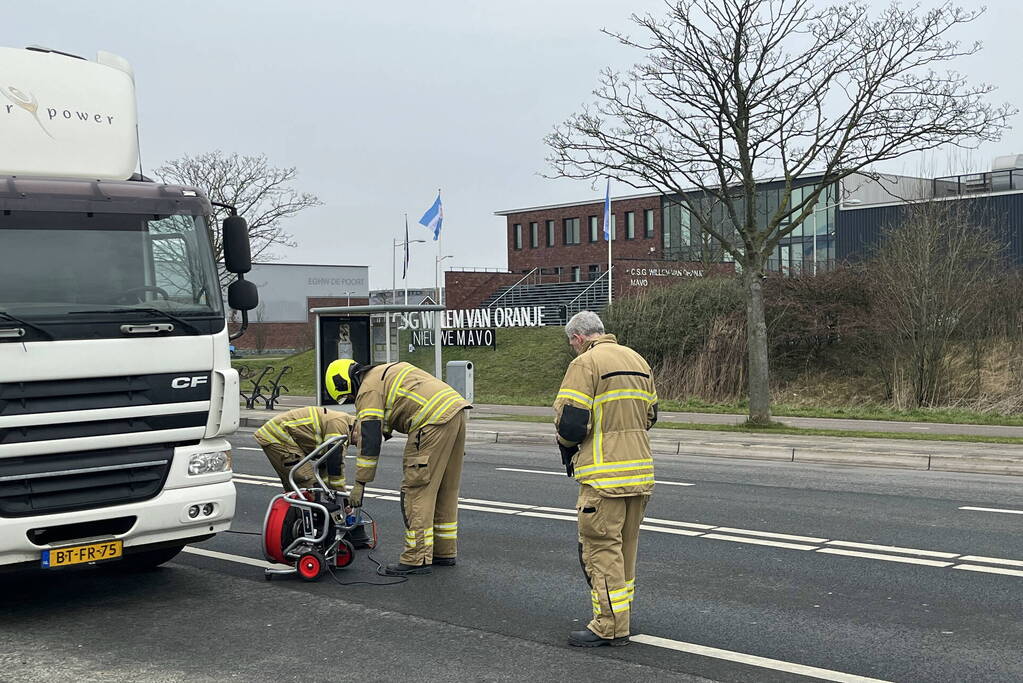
(276, 387)
(257, 389)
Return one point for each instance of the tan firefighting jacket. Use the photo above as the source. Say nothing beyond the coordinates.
(606, 404)
(401, 397)
(304, 429)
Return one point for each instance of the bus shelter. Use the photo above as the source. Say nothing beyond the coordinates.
(348, 331)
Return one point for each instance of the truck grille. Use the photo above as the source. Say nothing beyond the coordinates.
(90, 393)
(75, 430)
(45, 484)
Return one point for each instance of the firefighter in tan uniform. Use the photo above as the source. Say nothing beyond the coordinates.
(603, 410)
(401, 397)
(292, 435)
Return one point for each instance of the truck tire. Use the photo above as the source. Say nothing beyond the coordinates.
(146, 560)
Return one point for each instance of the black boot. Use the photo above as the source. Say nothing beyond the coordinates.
(587, 638)
(443, 562)
(400, 569)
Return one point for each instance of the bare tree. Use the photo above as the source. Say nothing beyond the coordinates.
(736, 90)
(261, 193)
(931, 285)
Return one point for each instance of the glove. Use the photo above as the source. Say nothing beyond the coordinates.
(567, 452)
(355, 496)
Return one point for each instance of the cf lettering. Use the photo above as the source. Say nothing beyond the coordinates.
(188, 382)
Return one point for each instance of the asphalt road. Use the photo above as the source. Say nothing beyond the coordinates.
(752, 572)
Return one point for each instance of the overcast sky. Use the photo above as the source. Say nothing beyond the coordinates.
(380, 104)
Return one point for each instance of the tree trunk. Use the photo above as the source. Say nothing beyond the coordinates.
(756, 337)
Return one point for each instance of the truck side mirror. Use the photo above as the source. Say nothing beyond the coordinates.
(237, 256)
(242, 295)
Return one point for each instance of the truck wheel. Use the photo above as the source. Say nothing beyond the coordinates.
(146, 560)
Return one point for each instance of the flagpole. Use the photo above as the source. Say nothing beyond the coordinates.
(611, 236)
(404, 271)
(438, 326)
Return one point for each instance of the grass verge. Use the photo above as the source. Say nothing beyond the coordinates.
(795, 431)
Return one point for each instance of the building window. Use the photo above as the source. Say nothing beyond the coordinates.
(518, 235)
(550, 233)
(593, 272)
(534, 235)
(630, 225)
(577, 273)
(572, 235)
(648, 223)
(594, 229)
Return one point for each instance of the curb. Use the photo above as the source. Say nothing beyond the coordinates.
(971, 464)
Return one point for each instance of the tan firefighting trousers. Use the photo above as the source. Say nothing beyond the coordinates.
(432, 471)
(283, 459)
(608, 540)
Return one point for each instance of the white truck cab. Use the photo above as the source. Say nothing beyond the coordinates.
(116, 387)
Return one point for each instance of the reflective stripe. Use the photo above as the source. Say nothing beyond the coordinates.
(446, 525)
(607, 397)
(577, 396)
(389, 403)
(621, 606)
(619, 594)
(412, 395)
(365, 462)
(410, 537)
(447, 534)
(283, 436)
(431, 411)
(612, 482)
(370, 413)
(641, 465)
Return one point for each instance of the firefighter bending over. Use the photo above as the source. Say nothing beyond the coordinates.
(400, 396)
(605, 406)
(290, 436)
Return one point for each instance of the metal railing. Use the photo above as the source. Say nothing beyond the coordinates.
(512, 288)
(589, 296)
(976, 183)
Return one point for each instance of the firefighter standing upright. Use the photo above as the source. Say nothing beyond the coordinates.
(604, 408)
(400, 396)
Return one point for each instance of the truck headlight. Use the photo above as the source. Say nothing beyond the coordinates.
(209, 463)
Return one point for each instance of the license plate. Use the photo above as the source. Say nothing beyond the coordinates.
(82, 554)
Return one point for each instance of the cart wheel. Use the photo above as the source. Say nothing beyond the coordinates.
(310, 565)
(345, 554)
(268, 577)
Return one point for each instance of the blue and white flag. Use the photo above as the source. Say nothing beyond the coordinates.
(434, 217)
(607, 212)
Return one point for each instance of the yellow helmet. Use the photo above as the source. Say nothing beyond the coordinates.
(340, 380)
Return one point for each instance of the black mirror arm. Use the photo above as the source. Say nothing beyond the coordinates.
(241, 330)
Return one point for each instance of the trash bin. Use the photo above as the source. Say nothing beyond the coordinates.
(460, 378)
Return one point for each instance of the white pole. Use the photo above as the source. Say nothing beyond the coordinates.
(387, 337)
(437, 315)
(610, 238)
(394, 284)
(815, 241)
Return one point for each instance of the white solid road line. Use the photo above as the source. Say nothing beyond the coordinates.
(562, 474)
(988, 570)
(715, 533)
(768, 534)
(760, 541)
(893, 549)
(1007, 512)
(991, 560)
(678, 645)
(753, 660)
(240, 559)
(887, 558)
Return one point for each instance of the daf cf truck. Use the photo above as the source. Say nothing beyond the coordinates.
(116, 387)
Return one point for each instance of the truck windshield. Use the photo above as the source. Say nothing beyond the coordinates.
(52, 263)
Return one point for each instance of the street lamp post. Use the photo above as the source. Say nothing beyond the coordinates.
(847, 202)
(436, 278)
